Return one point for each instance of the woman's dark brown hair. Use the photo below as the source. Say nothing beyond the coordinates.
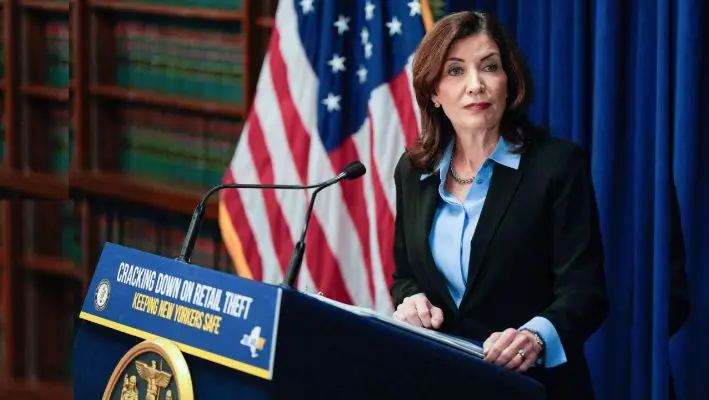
(437, 130)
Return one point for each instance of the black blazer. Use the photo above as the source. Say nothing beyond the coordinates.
(536, 251)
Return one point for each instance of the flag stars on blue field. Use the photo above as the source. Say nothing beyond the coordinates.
(368, 47)
(369, 10)
(365, 48)
(362, 74)
(394, 26)
(364, 36)
(332, 102)
(307, 6)
(415, 7)
(337, 63)
(341, 25)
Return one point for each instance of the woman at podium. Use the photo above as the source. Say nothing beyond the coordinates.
(497, 233)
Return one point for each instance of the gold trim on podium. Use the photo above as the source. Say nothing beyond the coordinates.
(155, 377)
(228, 362)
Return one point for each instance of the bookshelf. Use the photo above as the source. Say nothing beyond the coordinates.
(45, 5)
(157, 99)
(39, 278)
(201, 13)
(113, 126)
(45, 92)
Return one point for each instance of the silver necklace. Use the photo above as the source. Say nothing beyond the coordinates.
(455, 175)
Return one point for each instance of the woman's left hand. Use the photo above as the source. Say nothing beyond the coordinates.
(513, 349)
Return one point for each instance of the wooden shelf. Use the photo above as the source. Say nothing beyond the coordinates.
(56, 266)
(35, 390)
(131, 189)
(33, 184)
(46, 92)
(45, 5)
(166, 10)
(266, 22)
(139, 96)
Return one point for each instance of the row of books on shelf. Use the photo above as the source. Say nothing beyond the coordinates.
(2, 44)
(57, 129)
(51, 228)
(218, 4)
(58, 56)
(62, 139)
(2, 59)
(152, 231)
(3, 323)
(171, 147)
(190, 149)
(162, 234)
(47, 322)
(70, 234)
(180, 61)
(2, 138)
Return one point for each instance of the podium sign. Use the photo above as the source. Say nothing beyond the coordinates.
(232, 322)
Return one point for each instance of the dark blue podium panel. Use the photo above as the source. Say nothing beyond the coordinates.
(201, 310)
(321, 352)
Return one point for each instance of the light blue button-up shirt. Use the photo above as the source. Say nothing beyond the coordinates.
(453, 226)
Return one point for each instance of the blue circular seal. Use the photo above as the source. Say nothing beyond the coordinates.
(102, 295)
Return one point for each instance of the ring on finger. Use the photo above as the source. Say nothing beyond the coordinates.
(520, 353)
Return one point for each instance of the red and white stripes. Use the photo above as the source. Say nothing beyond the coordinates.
(349, 255)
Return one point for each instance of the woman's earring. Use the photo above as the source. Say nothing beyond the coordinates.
(436, 104)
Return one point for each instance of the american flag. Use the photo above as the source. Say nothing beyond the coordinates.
(335, 86)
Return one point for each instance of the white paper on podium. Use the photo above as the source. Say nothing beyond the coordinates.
(452, 341)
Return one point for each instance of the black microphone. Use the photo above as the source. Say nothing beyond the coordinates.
(198, 214)
(352, 171)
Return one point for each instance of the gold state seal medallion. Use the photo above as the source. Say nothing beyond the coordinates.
(151, 370)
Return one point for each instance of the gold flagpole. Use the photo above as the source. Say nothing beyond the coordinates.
(427, 15)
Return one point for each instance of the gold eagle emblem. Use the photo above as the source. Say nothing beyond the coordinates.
(155, 378)
(173, 382)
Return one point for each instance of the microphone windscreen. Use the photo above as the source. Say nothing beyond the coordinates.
(354, 170)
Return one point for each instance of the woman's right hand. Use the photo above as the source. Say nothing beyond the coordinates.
(418, 311)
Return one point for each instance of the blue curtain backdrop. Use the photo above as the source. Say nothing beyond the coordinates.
(629, 81)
